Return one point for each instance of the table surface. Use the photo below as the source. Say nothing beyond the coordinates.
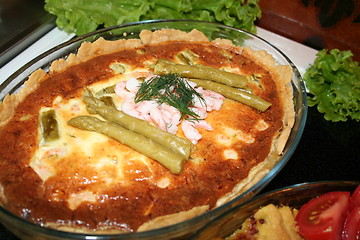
(326, 151)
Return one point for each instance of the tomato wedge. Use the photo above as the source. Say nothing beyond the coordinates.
(355, 198)
(322, 218)
(352, 225)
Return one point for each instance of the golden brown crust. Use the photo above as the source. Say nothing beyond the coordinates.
(165, 35)
(90, 50)
(8, 105)
(167, 220)
(282, 75)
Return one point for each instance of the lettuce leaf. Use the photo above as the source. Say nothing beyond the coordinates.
(333, 82)
(84, 16)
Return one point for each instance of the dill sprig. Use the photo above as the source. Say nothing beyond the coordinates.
(170, 89)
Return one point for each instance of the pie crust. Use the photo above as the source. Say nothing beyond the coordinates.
(280, 74)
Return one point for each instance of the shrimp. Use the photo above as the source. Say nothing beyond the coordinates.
(127, 89)
(201, 112)
(171, 116)
(157, 118)
(129, 107)
(171, 113)
(190, 131)
(165, 116)
(203, 124)
(144, 109)
(212, 99)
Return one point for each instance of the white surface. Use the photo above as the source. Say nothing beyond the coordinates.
(48, 41)
(299, 54)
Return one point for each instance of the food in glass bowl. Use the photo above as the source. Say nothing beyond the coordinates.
(269, 222)
(319, 210)
(142, 133)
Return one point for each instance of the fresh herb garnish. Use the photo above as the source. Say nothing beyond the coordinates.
(172, 90)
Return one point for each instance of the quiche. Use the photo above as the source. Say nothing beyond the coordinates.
(137, 134)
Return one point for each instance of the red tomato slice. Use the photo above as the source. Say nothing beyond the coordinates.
(355, 198)
(322, 218)
(352, 225)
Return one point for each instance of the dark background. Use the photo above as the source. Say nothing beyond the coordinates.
(327, 150)
(316, 23)
(21, 23)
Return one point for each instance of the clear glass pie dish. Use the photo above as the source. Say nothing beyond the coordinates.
(293, 196)
(27, 230)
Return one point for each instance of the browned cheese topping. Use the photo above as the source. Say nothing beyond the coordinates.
(113, 186)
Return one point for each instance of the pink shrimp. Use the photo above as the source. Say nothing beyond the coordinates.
(171, 117)
(190, 131)
(127, 89)
(165, 116)
(129, 107)
(203, 124)
(144, 108)
(157, 118)
(201, 112)
(212, 99)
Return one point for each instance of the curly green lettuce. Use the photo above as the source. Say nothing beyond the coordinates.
(333, 82)
(81, 17)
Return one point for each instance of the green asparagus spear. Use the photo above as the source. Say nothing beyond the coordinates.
(107, 100)
(117, 67)
(136, 141)
(49, 126)
(107, 90)
(177, 144)
(199, 71)
(187, 57)
(234, 94)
